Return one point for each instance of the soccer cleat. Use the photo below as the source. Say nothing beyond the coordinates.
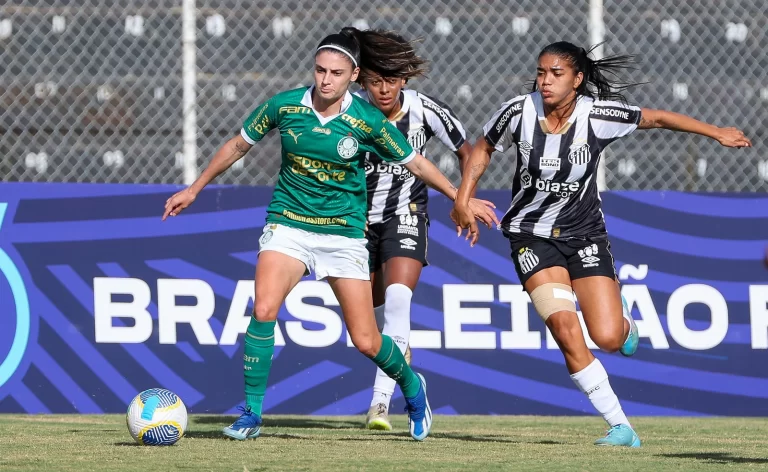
(620, 435)
(248, 426)
(407, 354)
(633, 339)
(378, 418)
(419, 412)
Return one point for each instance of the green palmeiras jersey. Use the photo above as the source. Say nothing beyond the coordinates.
(322, 186)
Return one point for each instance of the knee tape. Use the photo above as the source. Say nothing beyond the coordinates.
(551, 298)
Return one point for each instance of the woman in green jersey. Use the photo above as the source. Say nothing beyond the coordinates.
(316, 219)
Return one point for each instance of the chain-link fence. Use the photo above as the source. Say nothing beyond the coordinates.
(92, 91)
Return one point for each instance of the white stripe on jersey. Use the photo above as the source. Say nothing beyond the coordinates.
(392, 189)
(379, 200)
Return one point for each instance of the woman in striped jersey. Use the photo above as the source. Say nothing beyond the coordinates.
(555, 223)
(397, 200)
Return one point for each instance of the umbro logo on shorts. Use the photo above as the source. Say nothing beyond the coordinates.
(408, 243)
(588, 256)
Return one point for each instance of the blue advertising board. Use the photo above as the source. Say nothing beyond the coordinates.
(99, 300)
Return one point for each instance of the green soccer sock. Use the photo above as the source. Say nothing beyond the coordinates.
(391, 361)
(257, 360)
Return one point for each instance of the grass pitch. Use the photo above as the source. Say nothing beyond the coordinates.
(478, 443)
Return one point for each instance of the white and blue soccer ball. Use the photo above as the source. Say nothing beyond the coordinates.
(157, 417)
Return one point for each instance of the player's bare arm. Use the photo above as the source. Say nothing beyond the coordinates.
(729, 137)
(232, 151)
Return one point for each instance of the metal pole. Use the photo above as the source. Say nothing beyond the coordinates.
(596, 28)
(189, 89)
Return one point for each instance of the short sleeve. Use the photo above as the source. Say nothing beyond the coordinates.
(499, 130)
(390, 144)
(442, 123)
(260, 122)
(612, 120)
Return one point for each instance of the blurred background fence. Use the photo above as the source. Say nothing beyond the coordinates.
(92, 91)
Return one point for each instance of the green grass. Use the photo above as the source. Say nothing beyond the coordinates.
(477, 443)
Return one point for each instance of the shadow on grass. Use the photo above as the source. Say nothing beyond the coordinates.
(92, 430)
(719, 457)
(456, 437)
(219, 435)
(302, 423)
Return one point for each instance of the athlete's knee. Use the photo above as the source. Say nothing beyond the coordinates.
(565, 328)
(368, 343)
(607, 338)
(265, 310)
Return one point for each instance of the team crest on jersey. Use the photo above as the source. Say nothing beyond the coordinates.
(347, 147)
(579, 154)
(527, 259)
(417, 138)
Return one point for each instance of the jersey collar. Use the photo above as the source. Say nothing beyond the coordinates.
(405, 102)
(346, 102)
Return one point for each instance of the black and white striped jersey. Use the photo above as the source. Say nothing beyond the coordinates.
(554, 188)
(392, 189)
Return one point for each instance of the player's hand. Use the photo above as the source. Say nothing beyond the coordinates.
(178, 202)
(733, 137)
(483, 211)
(463, 217)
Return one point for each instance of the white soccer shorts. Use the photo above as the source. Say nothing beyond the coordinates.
(327, 255)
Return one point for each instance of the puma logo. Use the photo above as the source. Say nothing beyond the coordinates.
(294, 136)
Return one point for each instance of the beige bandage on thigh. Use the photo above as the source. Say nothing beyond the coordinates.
(551, 298)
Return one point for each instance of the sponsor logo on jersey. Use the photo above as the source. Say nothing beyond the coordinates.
(294, 109)
(507, 115)
(579, 154)
(356, 123)
(398, 171)
(447, 122)
(612, 112)
(388, 139)
(294, 136)
(552, 163)
(318, 129)
(417, 138)
(561, 189)
(527, 259)
(525, 178)
(347, 147)
(588, 257)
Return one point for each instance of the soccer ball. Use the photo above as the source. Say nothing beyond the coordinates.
(157, 417)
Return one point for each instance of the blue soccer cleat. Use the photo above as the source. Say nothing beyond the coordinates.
(419, 412)
(248, 426)
(620, 435)
(633, 338)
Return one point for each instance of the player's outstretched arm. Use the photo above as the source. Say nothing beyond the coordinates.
(729, 137)
(229, 153)
(461, 215)
(423, 169)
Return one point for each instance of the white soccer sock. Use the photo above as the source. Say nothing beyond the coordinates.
(397, 325)
(593, 381)
(378, 312)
